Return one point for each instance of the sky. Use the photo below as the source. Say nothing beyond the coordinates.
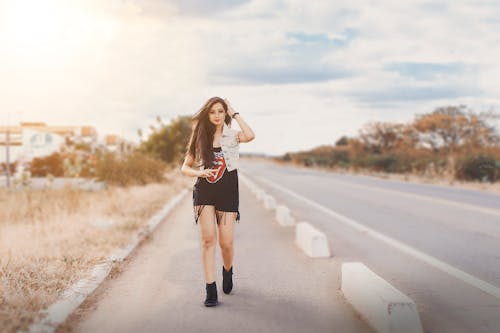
(300, 73)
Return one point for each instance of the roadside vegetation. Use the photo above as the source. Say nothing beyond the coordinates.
(51, 238)
(452, 143)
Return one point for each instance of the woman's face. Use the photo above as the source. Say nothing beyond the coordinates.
(216, 115)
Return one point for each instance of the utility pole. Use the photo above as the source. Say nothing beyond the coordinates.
(7, 153)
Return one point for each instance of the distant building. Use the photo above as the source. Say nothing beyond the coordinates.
(114, 143)
(15, 135)
(37, 143)
(35, 139)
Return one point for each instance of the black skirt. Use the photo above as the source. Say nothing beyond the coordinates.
(222, 193)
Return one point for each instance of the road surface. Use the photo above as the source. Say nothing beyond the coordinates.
(276, 287)
(438, 245)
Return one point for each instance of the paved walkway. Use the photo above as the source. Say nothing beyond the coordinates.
(276, 287)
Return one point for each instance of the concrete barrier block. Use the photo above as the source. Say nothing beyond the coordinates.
(253, 188)
(384, 307)
(249, 183)
(260, 194)
(283, 216)
(269, 202)
(313, 242)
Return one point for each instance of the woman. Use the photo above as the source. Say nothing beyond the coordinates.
(214, 149)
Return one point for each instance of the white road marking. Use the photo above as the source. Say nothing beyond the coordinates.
(453, 271)
(456, 204)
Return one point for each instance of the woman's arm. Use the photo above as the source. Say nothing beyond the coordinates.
(246, 134)
(187, 169)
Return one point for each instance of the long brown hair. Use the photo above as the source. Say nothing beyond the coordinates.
(200, 145)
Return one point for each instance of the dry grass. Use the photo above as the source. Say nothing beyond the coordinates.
(49, 239)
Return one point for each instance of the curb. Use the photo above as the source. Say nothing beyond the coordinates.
(283, 216)
(384, 307)
(313, 242)
(282, 212)
(269, 202)
(253, 187)
(261, 194)
(74, 295)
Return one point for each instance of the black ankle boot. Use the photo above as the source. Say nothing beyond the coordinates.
(211, 299)
(227, 280)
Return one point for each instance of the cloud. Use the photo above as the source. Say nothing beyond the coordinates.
(428, 71)
(280, 57)
(288, 74)
(350, 61)
(416, 93)
(323, 40)
(206, 8)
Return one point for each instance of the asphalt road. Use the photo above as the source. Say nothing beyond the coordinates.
(438, 245)
(276, 287)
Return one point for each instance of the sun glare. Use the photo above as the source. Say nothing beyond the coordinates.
(47, 31)
(35, 23)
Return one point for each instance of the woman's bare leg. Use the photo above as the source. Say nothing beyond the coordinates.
(226, 236)
(208, 239)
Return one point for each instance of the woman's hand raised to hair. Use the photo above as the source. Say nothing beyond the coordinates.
(230, 110)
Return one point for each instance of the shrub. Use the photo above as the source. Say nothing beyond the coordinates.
(64, 164)
(132, 169)
(341, 157)
(324, 156)
(52, 164)
(386, 163)
(478, 167)
(308, 162)
(12, 167)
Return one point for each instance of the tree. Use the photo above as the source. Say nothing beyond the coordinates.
(380, 137)
(451, 127)
(52, 164)
(168, 142)
(139, 133)
(343, 141)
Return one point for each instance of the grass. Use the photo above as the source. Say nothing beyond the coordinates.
(50, 238)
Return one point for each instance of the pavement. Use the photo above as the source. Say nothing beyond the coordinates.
(277, 288)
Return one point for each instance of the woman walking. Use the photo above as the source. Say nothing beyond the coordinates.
(213, 149)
